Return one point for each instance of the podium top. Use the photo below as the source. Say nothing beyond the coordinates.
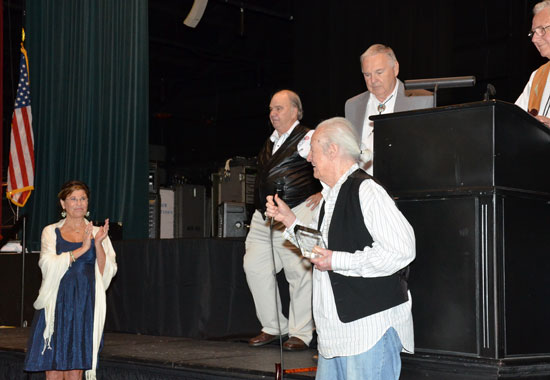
(493, 103)
(461, 148)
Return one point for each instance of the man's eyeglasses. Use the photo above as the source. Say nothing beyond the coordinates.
(539, 31)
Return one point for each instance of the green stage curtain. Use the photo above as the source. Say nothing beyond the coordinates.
(88, 63)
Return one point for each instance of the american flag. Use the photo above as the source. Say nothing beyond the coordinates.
(21, 168)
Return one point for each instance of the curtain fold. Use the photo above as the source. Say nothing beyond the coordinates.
(88, 63)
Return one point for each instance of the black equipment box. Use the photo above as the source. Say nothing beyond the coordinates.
(233, 184)
(191, 212)
(232, 220)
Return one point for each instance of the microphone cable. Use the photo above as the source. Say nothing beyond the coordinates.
(279, 190)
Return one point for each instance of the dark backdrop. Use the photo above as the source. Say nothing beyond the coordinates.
(209, 87)
(487, 39)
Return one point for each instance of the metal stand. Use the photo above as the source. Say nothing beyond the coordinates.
(23, 252)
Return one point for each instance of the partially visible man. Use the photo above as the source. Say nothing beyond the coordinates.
(535, 98)
(380, 69)
(282, 166)
(361, 302)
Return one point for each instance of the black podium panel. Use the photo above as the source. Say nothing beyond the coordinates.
(479, 284)
(476, 145)
(526, 280)
(443, 278)
(522, 150)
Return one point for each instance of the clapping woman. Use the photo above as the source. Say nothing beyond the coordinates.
(77, 261)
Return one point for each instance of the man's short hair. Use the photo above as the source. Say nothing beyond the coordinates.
(379, 49)
(294, 101)
(340, 132)
(540, 6)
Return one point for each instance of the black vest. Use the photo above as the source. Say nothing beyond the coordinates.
(286, 167)
(358, 297)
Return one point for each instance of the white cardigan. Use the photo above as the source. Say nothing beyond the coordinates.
(53, 267)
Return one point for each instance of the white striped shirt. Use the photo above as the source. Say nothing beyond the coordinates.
(393, 249)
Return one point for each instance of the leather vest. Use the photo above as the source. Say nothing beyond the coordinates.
(359, 297)
(285, 169)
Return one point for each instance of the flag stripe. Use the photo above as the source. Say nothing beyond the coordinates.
(19, 152)
(21, 159)
(27, 156)
(27, 122)
(11, 175)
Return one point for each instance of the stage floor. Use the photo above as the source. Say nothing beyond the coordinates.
(218, 359)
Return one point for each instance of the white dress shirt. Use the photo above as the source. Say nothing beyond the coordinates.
(523, 100)
(393, 249)
(368, 129)
(303, 147)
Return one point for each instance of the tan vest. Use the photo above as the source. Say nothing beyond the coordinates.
(537, 88)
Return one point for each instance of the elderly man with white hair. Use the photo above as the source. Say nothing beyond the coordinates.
(361, 302)
(535, 97)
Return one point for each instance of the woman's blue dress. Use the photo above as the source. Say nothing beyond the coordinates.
(72, 339)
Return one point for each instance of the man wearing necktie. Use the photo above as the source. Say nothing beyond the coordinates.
(380, 69)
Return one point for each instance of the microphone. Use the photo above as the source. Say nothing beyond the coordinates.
(280, 187)
(279, 190)
(490, 93)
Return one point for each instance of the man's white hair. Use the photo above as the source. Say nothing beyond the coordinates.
(540, 6)
(340, 132)
(379, 49)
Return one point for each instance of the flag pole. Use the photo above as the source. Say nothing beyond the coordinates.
(23, 251)
(22, 310)
(21, 165)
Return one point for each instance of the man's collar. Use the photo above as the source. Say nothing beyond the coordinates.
(327, 189)
(275, 135)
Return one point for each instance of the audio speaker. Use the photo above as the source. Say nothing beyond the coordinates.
(232, 220)
(190, 212)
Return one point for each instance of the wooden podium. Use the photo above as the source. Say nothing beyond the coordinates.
(474, 182)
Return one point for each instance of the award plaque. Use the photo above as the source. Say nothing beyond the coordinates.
(308, 238)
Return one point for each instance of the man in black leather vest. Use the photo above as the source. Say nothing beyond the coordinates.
(282, 167)
(361, 302)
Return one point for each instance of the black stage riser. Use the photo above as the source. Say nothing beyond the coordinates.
(417, 367)
(414, 368)
(11, 368)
